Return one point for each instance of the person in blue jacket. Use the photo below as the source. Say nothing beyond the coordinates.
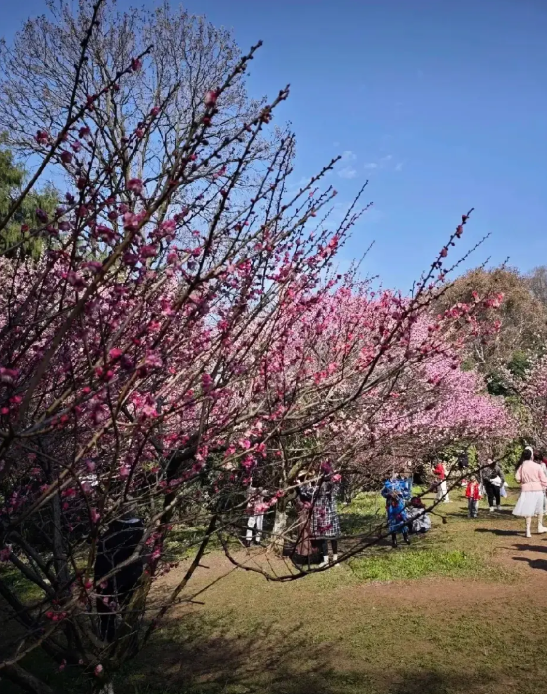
(397, 485)
(395, 491)
(397, 518)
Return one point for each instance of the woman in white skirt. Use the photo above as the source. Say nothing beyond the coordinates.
(533, 482)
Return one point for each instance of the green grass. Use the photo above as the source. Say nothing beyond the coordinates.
(417, 564)
(25, 590)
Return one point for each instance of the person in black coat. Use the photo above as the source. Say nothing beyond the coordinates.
(116, 545)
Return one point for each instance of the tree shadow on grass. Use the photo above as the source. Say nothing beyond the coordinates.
(439, 682)
(358, 523)
(198, 654)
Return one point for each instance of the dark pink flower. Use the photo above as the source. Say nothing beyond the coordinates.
(136, 64)
(135, 185)
(41, 216)
(148, 251)
(131, 221)
(42, 137)
(115, 353)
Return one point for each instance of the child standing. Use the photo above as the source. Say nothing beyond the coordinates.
(473, 494)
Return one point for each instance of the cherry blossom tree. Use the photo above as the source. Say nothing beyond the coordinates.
(182, 333)
(527, 397)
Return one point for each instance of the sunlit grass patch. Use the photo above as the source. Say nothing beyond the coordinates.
(416, 564)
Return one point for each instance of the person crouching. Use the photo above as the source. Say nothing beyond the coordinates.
(419, 522)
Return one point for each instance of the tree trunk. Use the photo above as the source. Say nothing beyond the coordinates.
(23, 678)
(280, 526)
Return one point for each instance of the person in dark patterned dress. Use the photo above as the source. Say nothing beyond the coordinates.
(325, 526)
(303, 502)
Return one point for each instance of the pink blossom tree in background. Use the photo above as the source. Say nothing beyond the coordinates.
(182, 333)
(527, 398)
(417, 400)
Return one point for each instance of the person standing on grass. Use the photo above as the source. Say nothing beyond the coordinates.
(303, 503)
(493, 479)
(325, 522)
(255, 510)
(473, 495)
(442, 488)
(533, 483)
(397, 517)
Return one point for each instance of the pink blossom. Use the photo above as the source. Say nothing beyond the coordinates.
(148, 251)
(125, 471)
(211, 98)
(42, 137)
(135, 185)
(131, 221)
(153, 360)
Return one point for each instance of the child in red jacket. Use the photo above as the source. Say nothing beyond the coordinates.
(473, 494)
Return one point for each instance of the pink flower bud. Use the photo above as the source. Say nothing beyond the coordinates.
(211, 98)
(41, 216)
(42, 137)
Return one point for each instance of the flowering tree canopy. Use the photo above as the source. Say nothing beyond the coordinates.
(181, 335)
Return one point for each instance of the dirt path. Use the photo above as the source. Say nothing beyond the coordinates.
(334, 633)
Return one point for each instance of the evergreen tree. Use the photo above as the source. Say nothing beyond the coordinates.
(12, 179)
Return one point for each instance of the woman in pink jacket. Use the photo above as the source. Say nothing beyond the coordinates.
(533, 482)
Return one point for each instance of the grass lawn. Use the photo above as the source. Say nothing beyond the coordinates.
(461, 610)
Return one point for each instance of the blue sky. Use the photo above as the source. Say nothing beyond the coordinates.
(442, 105)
